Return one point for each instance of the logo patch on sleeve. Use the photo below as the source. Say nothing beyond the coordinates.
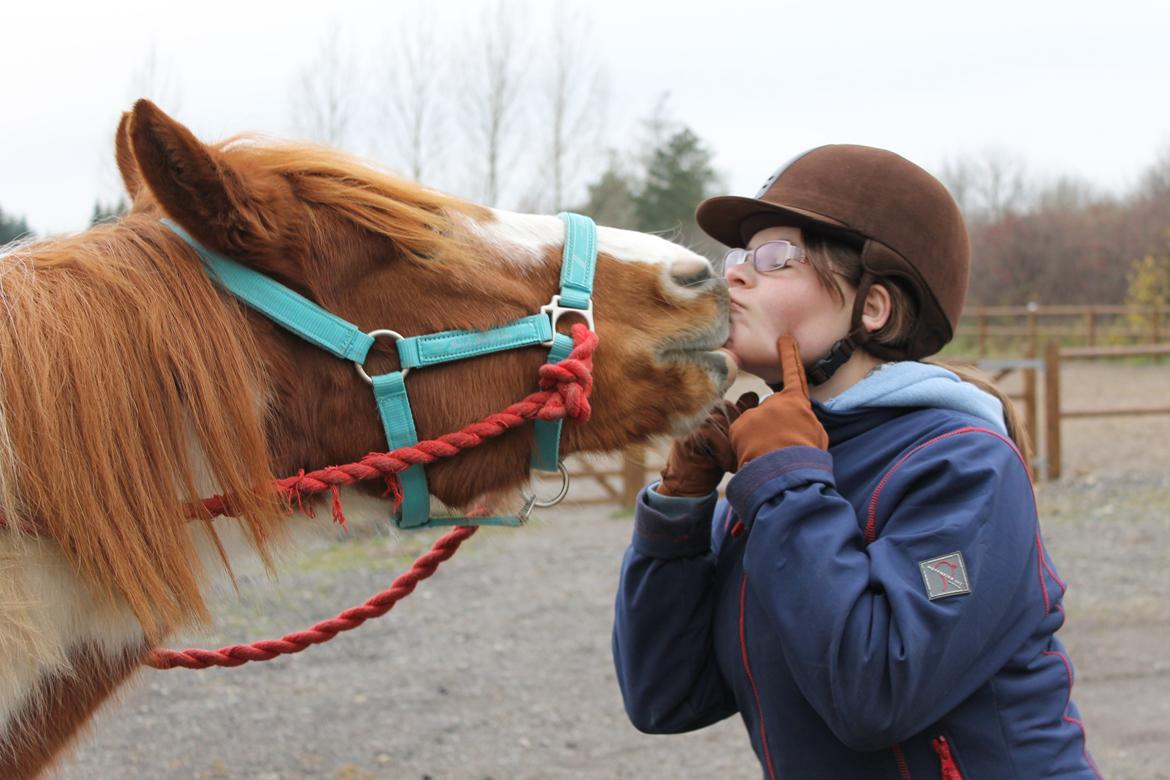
(945, 576)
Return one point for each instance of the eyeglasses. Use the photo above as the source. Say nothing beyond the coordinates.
(768, 256)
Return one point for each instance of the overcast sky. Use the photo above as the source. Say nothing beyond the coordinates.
(1071, 88)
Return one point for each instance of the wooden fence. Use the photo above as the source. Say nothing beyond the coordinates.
(984, 330)
(618, 477)
(1055, 414)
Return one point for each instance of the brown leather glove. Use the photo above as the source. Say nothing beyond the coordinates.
(784, 419)
(697, 461)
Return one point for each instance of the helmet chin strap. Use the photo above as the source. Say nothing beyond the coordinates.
(822, 371)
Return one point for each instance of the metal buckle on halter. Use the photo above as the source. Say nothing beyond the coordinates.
(361, 369)
(531, 501)
(555, 311)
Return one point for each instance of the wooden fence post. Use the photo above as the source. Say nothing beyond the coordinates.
(1031, 405)
(1033, 329)
(1091, 327)
(1155, 325)
(1052, 408)
(633, 474)
(982, 346)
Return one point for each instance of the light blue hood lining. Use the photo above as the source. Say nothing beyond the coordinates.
(913, 384)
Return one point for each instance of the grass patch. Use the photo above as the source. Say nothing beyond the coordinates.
(377, 552)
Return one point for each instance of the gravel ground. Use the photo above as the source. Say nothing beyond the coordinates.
(499, 666)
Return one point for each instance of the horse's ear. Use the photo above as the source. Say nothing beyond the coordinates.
(124, 154)
(197, 186)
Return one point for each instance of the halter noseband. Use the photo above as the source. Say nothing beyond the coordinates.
(327, 331)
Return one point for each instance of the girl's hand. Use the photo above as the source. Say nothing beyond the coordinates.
(785, 418)
(697, 462)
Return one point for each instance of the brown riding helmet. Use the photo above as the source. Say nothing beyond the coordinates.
(904, 220)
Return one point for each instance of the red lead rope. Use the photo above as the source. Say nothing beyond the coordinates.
(564, 393)
(376, 606)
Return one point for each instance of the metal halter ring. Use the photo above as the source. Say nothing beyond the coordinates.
(555, 311)
(375, 334)
(531, 501)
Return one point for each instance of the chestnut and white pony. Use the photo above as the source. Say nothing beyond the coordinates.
(129, 385)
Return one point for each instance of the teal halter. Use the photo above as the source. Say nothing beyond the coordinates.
(319, 327)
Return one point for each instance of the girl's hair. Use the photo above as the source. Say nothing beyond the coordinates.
(836, 260)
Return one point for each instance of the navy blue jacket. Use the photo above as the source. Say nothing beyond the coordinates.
(801, 603)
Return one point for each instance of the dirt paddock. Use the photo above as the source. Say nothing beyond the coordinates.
(499, 666)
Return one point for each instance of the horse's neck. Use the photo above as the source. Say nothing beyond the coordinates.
(60, 705)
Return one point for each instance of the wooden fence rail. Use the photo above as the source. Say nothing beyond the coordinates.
(1055, 413)
(626, 473)
(1029, 324)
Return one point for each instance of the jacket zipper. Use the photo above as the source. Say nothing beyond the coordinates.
(948, 769)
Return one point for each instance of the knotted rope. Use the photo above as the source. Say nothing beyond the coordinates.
(564, 394)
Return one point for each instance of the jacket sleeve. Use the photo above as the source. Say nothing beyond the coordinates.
(874, 655)
(662, 638)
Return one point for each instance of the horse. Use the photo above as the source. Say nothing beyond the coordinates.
(131, 385)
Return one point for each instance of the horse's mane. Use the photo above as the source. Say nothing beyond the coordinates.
(417, 219)
(119, 363)
(129, 388)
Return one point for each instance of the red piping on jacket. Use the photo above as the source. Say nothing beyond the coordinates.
(755, 691)
(871, 517)
(1066, 717)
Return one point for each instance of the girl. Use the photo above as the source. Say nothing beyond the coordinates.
(873, 597)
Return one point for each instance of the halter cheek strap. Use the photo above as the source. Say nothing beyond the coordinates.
(327, 331)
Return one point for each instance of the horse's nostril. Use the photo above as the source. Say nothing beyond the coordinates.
(690, 271)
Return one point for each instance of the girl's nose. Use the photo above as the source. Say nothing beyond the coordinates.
(741, 275)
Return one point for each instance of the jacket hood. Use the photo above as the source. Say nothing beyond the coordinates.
(910, 384)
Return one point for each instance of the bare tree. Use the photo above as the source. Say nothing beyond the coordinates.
(988, 187)
(323, 98)
(959, 176)
(1066, 194)
(492, 76)
(1003, 187)
(413, 76)
(574, 97)
(154, 79)
(1155, 181)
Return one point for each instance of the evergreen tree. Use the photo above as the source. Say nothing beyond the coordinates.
(660, 191)
(12, 228)
(611, 199)
(103, 213)
(679, 174)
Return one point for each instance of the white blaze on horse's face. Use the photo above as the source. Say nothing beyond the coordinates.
(659, 308)
(534, 233)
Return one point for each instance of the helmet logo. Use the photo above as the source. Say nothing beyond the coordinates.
(776, 174)
(772, 179)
